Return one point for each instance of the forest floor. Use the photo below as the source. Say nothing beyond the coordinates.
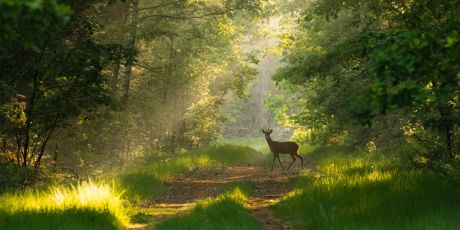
(183, 191)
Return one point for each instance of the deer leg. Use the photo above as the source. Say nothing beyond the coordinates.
(293, 160)
(301, 158)
(273, 163)
(279, 160)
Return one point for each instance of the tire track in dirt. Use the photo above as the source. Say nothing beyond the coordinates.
(184, 190)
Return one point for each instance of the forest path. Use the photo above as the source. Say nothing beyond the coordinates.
(183, 191)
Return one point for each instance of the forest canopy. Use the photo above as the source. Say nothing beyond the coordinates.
(166, 114)
(390, 65)
(153, 72)
(95, 83)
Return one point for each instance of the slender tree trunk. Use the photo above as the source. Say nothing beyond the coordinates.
(450, 140)
(446, 128)
(115, 74)
(43, 147)
(132, 18)
(55, 157)
(18, 147)
(446, 123)
(116, 65)
(27, 128)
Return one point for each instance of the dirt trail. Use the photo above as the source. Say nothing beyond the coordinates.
(183, 191)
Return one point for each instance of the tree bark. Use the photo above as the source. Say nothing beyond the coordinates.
(116, 66)
(42, 149)
(29, 110)
(55, 157)
(450, 140)
(132, 18)
(446, 128)
(115, 74)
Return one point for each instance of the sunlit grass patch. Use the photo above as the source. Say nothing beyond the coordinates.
(257, 143)
(86, 206)
(139, 185)
(224, 212)
(172, 166)
(247, 187)
(143, 181)
(230, 155)
(361, 192)
(205, 157)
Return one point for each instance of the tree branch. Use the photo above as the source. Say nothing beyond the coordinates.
(159, 5)
(149, 68)
(184, 17)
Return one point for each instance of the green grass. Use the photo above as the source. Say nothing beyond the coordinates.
(139, 185)
(265, 157)
(362, 191)
(223, 212)
(257, 143)
(99, 206)
(86, 206)
(247, 187)
(205, 157)
(143, 181)
(230, 155)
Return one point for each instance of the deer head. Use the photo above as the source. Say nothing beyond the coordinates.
(267, 132)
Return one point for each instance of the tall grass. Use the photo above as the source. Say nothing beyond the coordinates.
(370, 192)
(224, 212)
(86, 206)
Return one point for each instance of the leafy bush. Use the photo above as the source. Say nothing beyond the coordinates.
(11, 176)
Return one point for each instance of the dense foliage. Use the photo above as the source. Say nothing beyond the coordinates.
(391, 65)
(97, 81)
(137, 94)
(51, 73)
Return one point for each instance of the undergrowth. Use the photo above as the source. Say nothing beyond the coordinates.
(369, 191)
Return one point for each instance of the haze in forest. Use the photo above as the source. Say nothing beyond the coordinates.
(218, 114)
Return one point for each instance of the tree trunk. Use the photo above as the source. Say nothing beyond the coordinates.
(27, 129)
(132, 18)
(116, 65)
(55, 157)
(447, 120)
(446, 128)
(115, 74)
(450, 140)
(43, 147)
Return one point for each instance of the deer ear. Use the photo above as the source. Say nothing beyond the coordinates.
(270, 131)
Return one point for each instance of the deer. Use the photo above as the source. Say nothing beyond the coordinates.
(279, 147)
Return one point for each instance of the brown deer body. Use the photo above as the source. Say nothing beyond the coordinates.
(279, 147)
